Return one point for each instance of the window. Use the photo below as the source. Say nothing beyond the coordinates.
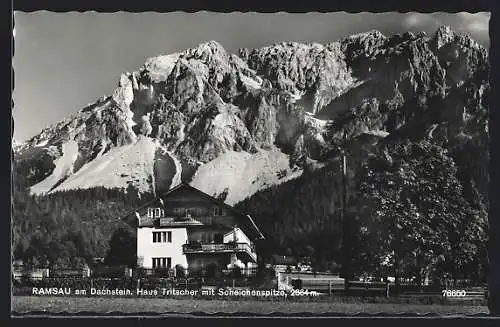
(162, 237)
(156, 213)
(218, 211)
(207, 220)
(218, 238)
(162, 262)
(206, 238)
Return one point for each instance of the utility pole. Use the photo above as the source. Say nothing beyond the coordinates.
(343, 219)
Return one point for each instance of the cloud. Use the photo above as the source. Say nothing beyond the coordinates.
(415, 20)
(479, 27)
(477, 24)
(421, 21)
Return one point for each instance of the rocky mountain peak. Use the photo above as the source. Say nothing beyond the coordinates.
(160, 67)
(310, 72)
(443, 35)
(359, 48)
(290, 100)
(366, 36)
(209, 52)
(446, 35)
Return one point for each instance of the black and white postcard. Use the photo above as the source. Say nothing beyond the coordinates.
(330, 163)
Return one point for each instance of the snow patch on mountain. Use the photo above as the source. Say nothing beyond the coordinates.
(243, 174)
(64, 167)
(119, 167)
(379, 133)
(160, 67)
(294, 97)
(254, 84)
(316, 122)
(42, 143)
(177, 179)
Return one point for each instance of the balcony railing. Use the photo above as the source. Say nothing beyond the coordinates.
(220, 248)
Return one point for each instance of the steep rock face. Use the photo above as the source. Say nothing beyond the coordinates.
(184, 101)
(310, 72)
(221, 130)
(303, 100)
(402, 83)
(94, 130)
(191, 111)
(427, 86)
(406, 75)
(262, 122)
(360, 49)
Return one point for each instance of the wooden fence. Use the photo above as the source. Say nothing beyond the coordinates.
(125, 272)
(30, 274)
(370, 289)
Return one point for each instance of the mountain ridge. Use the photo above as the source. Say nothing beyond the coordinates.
(290, 100)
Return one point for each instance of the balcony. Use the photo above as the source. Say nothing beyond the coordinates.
(220, 248)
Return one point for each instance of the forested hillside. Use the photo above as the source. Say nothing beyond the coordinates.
(408, 214)
(67, 229)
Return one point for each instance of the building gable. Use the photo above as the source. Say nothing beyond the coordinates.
(195, 208)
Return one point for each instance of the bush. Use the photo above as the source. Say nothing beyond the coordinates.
(180, 271)
(297, 283)
(235, 272)
(212, 270)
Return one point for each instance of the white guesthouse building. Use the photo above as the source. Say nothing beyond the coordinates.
(190, 228)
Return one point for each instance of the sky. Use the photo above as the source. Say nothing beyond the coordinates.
(65, 61)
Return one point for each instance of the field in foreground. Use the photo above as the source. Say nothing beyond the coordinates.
(73, 305)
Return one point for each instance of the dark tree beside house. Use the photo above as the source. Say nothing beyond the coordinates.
(122, 248)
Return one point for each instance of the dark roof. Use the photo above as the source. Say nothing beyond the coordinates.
(184, 185)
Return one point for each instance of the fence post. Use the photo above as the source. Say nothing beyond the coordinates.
(91, 283)
(329, 287)
(387, 291)
(233, 282)
(138, 283)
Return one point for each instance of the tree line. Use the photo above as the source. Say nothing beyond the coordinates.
(68, 229)
(408, 215)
